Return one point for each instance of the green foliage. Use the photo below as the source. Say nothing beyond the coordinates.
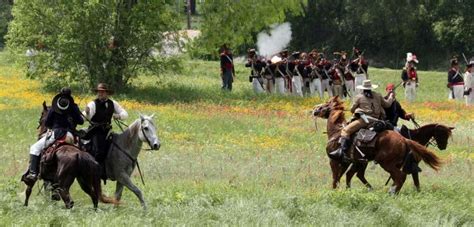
(85, 42)
(5, 17)
(238, 22)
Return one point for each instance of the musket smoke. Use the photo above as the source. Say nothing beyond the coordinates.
(276, 40)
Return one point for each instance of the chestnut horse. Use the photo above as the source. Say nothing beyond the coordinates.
(435, 134)
(67, 164)
(390, 147)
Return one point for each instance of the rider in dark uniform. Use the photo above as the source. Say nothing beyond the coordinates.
(62, 118)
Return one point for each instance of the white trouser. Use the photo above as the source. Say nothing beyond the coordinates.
(257, 87)
(325, 86)
(297, 82)
(470, 98)
(410, 91)
(280, 85)
(338, 90)
(359, 80)
(315, 86)
(350, 87)
(458, 92)
(46, 141)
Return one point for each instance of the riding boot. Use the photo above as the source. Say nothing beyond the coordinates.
(33, 168)
(341, 152)
(103, 173)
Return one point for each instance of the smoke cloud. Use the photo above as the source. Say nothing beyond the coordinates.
(276, 40)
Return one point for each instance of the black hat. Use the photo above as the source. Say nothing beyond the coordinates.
(62, 103)
(252, 50)
(454, 61)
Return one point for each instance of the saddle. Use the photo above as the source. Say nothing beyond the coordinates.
(365, 137)
(48, 162)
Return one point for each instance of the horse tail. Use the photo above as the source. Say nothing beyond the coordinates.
(421, 152)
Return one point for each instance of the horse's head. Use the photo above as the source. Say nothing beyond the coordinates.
(42, 120)
(441, 135)
(147, 132)
(324, 110)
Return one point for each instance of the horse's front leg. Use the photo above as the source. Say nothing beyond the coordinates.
(361, 175)
(29, 188)
(335, 167)
(127, 182)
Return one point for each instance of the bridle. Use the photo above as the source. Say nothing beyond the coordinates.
(433, 142)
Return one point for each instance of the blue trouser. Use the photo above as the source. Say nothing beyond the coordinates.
(227, 80)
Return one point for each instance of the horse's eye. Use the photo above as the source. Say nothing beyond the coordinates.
(145, 128)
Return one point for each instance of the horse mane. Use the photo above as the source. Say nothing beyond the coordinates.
(336, 117)
(130, 133)
(445, 128)
(337, 113)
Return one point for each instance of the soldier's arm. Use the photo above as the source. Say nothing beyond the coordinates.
(355, 104)
(76, 114)
(89, 112)
(386, 103)
(404, 75)
(119, 112)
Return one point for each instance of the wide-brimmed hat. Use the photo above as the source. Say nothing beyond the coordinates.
(62, 103)
(103, 87)
(367, 85)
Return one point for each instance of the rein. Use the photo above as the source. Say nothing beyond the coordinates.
(432, 140)
(120, 124)
(131, 159)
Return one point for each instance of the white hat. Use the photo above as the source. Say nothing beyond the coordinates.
(367, 85)
(411, 57)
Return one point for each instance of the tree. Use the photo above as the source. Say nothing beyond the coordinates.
(92, 41)
(5, 17)
(238, 22)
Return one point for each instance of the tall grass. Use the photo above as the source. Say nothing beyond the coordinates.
(241, 159)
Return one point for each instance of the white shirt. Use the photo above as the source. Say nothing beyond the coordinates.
(468, 81)
(119, 112)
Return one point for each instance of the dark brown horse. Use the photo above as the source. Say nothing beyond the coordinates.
(390, 147)
(67, 164)
(435, 134)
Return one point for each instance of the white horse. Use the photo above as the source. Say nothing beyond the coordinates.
(122, 156)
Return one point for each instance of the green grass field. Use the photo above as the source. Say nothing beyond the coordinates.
(239, 159)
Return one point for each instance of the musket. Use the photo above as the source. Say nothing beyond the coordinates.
(465, 59)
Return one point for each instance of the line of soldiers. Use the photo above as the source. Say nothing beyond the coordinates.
(308, 74)
(460, 84)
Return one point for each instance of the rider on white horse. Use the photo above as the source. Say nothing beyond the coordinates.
(100, 113)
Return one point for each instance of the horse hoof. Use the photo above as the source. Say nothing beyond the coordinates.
(70, 205)
(55, 196)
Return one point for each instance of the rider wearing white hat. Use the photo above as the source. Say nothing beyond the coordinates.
(368, 103)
